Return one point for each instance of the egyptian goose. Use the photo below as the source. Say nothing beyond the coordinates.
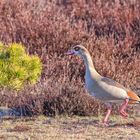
(103, 88)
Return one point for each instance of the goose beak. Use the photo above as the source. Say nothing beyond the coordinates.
(70, 52)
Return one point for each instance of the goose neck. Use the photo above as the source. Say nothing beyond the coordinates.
(90, 69)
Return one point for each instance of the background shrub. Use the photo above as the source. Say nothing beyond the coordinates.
(110, 29)
(16, 67)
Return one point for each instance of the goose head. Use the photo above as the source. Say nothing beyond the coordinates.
(78, 50)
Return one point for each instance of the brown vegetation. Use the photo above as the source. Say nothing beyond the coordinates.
(109, 29)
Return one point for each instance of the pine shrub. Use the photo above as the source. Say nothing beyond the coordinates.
(18, 68)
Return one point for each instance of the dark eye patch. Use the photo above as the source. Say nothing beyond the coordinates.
(76, 48)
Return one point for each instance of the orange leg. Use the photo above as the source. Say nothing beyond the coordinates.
(123, 107)
(109, 108)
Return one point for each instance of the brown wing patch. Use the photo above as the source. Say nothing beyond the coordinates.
(112, 83)
(133, 96)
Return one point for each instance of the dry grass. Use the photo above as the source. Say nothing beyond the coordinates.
(109, 29)
(65, 128)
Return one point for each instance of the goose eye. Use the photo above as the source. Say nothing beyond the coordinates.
(76, 48)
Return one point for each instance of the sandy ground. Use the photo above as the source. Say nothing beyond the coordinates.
(68, 128)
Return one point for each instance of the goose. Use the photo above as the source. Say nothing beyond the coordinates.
(103, 88)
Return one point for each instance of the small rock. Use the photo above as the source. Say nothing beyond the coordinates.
(5, 111)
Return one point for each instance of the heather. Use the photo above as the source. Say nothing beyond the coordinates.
(109, 29)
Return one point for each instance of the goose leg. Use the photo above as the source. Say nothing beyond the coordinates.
(109, 109)
(123, 107)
